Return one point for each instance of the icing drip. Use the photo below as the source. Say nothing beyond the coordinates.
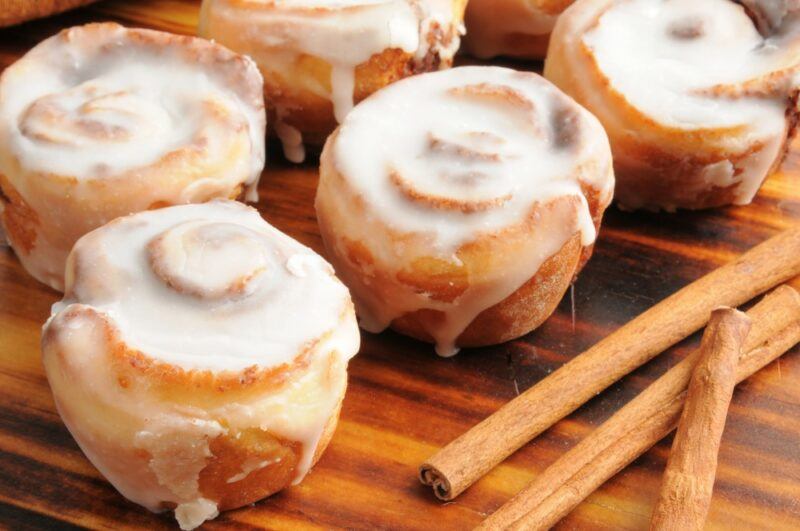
(446, 158)
(698, 66)
(343, 33)
(291, 140)
(229, 290)
(194, 513)
(343, 82)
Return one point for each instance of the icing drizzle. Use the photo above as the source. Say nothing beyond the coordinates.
(344, 33)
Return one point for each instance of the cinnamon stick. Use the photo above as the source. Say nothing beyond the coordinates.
(459, 464)
(642, 422)
(689, 477)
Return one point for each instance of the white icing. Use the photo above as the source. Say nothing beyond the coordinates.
(194, 513)
(282, 301)
(483, 139)
(491, 22)
(343, 33)
(89, 108)
(292, 141)
(100, 121)
(216, 269)
(666, 76)
(169, 440)
(689, 65)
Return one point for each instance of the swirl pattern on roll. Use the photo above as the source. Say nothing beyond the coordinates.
(199, 356)
(100, 121)
(698, 105)
(442, 162)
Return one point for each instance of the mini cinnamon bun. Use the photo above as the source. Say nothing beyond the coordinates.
(199, 356)
(101, 121)
(459, 205)
(318, 57)
(512, 28)
(698, 105)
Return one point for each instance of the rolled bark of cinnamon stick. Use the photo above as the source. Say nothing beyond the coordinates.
(459, 464)
(692, 466)
(641, 423)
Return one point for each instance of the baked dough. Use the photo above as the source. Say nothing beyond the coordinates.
(100, 121)
(199, 356)
(459, 205)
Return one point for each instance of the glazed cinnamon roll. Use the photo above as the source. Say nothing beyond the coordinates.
(459, 205)
(698, 105)
(512, 28)
(100, 121)
(199, 356)
(318, 57)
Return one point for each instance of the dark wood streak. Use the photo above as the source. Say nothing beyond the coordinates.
(404, 402)
(24, 520)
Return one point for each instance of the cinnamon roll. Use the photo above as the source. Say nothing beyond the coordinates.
(459, 205)
(100, 121)
(318, 57)
(512, 28)
(698, 105)
(199, 356)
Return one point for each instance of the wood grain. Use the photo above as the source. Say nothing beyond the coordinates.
(404, 403)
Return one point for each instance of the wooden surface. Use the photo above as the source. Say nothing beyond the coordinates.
(404, 402)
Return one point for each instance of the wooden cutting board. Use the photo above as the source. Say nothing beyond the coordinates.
(404, 402)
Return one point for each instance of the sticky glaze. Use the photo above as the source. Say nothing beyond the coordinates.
(202, 289)
(343, 33)
(101, 121)
(655, 70)
(450, 158)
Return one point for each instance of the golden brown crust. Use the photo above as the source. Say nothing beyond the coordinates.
(18, 11)
(18, 218)
(516, 315)
(200, 388)
(233, 451)
(244, 466)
